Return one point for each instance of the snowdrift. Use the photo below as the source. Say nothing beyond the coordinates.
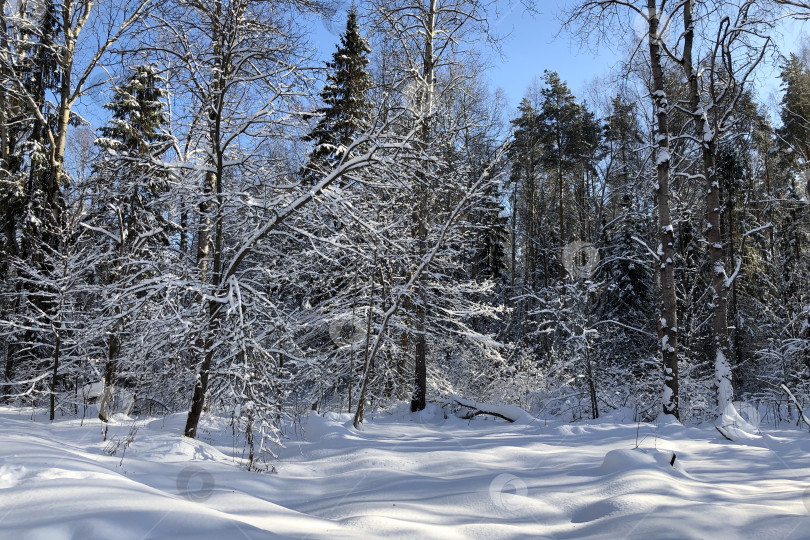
(422, 475)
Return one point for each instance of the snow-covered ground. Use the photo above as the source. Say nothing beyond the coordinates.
(402, 476)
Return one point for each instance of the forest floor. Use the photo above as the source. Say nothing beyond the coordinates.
(403, 475)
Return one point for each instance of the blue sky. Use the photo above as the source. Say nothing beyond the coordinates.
(535, 43)
(530, 45)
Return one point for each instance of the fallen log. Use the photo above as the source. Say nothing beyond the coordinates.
(468, 409)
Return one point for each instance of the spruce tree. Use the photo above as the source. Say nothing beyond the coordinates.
(131, 189)
(796, 106)
(131, 139)
(627, 294)
(137, 113)
(344, 114)
(31, 203)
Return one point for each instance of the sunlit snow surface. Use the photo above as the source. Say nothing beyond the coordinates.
(403, 476)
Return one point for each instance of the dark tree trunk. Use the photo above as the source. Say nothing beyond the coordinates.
(418, 401)
(706, 134)
(669, 303)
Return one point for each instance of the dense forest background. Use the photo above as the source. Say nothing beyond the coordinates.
(256, 235)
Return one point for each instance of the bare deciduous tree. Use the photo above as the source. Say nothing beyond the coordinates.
(603, 17)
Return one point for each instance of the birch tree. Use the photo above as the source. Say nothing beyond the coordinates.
(604, 17)
(717, 81)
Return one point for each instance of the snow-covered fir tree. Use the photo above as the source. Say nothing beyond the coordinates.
(346, 109)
